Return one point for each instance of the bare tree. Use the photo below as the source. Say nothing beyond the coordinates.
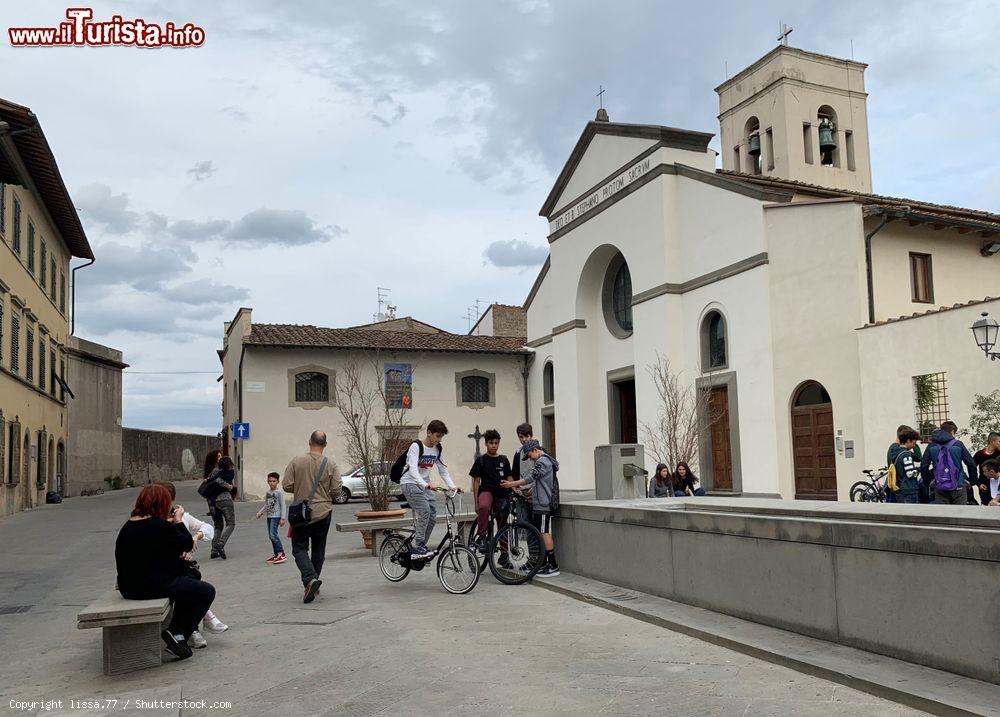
(683, 415)
(374, 423)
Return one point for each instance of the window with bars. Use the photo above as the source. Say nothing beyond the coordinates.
(62, 375)
(62, 292)
(930, 397)
(15, 343)
(475, 389)
(41, 362)
(3, 208)
(31, 247)
(312, 386)
(16, 233)
(42, 263)
(29, 354)
(52, 368)
(52, 279)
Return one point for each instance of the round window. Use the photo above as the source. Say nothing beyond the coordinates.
(618, 298)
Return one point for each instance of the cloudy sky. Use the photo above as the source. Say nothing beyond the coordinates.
(312, 151)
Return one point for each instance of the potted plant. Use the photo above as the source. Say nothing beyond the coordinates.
(375, 429)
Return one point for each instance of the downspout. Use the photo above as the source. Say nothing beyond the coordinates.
(528, 359)
(72, 295)
(887, 216)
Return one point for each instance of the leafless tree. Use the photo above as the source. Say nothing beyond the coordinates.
(683, 416)
(374, 423)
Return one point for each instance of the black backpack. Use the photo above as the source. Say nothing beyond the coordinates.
(554, 500)
(399, 467)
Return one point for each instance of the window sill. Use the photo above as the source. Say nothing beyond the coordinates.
(311, 405)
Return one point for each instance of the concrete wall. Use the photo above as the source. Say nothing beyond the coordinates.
(872, 577)
(157, 455)
(94, 445)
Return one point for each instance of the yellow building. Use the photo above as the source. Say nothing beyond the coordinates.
(39, 233)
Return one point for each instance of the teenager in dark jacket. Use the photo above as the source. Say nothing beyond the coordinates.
(923, 492)
(686, 482)
(941, 438)
(907, 468)
(225, 511)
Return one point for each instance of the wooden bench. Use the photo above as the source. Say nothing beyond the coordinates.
(383, 524)
(131, 630)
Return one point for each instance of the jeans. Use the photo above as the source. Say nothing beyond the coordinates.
(951, 497)
(485, 503)
(424, 507)
(272, 533)
(682, 494)
(225, 513)
(192, 598)
(908, 497)
(304, 535)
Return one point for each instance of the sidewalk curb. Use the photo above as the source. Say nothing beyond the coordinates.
(934, 691)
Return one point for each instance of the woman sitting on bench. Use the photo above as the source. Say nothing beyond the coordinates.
(148, 556)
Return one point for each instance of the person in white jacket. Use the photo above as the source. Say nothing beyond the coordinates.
(200, 530)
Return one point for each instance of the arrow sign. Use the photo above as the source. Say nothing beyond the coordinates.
(241, 430)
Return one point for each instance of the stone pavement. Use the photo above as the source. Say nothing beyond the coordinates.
(367, 646)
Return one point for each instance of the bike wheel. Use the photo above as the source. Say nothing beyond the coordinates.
(458, 569)
(470, 540)
(516, 553)
(388, 561)
(858, 489)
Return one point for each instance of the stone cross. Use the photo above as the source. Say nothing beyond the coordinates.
(785, 31)
(600, 95)
(477, 436)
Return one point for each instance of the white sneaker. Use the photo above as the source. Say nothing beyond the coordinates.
(422, 554)
(196, 640)
(215, 625)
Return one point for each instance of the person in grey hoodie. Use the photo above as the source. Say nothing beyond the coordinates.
(944, 439)
(541, 480)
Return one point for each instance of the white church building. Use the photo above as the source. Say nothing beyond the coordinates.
(808, 307)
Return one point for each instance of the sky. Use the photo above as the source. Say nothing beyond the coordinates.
(310, 152)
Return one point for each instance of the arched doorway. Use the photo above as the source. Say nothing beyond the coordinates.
(813, 448)
(54, 478)
(27, 480)
(60, 468)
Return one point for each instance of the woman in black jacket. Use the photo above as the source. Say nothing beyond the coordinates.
(148, 555)
(686, 482)
(225, 511)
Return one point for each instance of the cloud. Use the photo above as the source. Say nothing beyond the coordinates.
(237, 113)
(515, 253)
(202, 170)
(391, 111)
(263, 227)
(142, 266)
(192, 229)
(97, 204)
(204, 292)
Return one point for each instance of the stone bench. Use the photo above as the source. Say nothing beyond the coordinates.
(131, 630)
(383, 524)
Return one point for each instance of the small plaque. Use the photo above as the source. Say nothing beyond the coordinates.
(628, 453)
(256, 386)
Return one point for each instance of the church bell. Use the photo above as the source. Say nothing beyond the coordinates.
(827, 139)
(753, 145)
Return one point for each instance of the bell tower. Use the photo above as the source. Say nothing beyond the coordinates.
(798, 115)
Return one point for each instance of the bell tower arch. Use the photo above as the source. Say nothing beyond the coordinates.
(798, 115)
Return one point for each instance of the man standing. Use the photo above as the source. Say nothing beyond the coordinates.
(990, 453)
(948, 455)
(523, 465)
(315, 478)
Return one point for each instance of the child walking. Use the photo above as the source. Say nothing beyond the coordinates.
(276, 511)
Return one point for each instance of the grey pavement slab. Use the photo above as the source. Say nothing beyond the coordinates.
(366, 646)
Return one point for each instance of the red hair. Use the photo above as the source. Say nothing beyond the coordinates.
(154, 500)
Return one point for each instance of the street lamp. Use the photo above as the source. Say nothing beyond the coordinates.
(985, 330)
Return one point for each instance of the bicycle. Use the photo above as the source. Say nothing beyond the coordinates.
(457, 565)
(514, 552)
(872, 490)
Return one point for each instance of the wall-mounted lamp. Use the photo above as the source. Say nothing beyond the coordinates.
(990, 248)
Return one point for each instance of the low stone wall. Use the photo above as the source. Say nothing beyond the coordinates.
(158, 455)
(914, 582)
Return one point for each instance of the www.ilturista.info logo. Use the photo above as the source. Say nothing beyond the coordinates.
(82, 31)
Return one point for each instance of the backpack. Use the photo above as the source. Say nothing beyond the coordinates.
(554, 498)
(947, 476)
(891, 479)
(399, 467)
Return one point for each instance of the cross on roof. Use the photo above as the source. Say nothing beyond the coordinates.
(477, 436)
(784, 32)
(600, 96)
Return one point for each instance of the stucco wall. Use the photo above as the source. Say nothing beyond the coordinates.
(150, 456)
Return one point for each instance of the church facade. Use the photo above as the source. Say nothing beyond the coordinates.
(812, 315)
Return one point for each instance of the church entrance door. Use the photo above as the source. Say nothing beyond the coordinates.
(722, 457)
(813, 446)
(549, 433)
(625, 426)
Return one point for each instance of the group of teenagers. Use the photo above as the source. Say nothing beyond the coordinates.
(945, 471)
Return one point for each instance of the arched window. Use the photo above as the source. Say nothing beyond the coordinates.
(312, 386)
(812, 394)
(714, 344)
(475, 389)
(548, 384)
(617, 298)
(826, 118)
(753, 140)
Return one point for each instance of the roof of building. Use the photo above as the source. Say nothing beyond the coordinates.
(24, 144)
(305, 336)
(923, 211)
(402, 323)
(935, 310)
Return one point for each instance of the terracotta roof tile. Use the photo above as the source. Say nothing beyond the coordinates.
(304, 336)
(935, 310)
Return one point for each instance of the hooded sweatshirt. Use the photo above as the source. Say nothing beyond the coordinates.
(540, 482)
(895, 449)
(907, 472)
(960, 456)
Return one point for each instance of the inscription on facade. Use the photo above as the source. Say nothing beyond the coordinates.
(602, 194)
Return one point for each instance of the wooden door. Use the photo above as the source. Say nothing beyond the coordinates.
(814, 452)
(629, 429)
(722, 458)
(549, 434)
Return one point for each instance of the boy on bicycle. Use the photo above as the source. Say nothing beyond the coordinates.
(416, 484)
(541, 480)
(487, 472)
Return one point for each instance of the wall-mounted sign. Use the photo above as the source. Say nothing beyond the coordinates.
(602, 194)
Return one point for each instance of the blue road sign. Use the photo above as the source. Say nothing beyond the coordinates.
(241, 430)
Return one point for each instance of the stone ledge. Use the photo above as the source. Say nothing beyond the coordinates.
(934, 691)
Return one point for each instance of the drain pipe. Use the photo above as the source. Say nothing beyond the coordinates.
(887, 216)
(528, 360)
(72, 295)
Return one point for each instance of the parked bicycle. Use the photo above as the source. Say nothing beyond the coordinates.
(457, 565)
(513, 548)
(872, 490)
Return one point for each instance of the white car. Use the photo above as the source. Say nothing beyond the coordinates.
(354, 483)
